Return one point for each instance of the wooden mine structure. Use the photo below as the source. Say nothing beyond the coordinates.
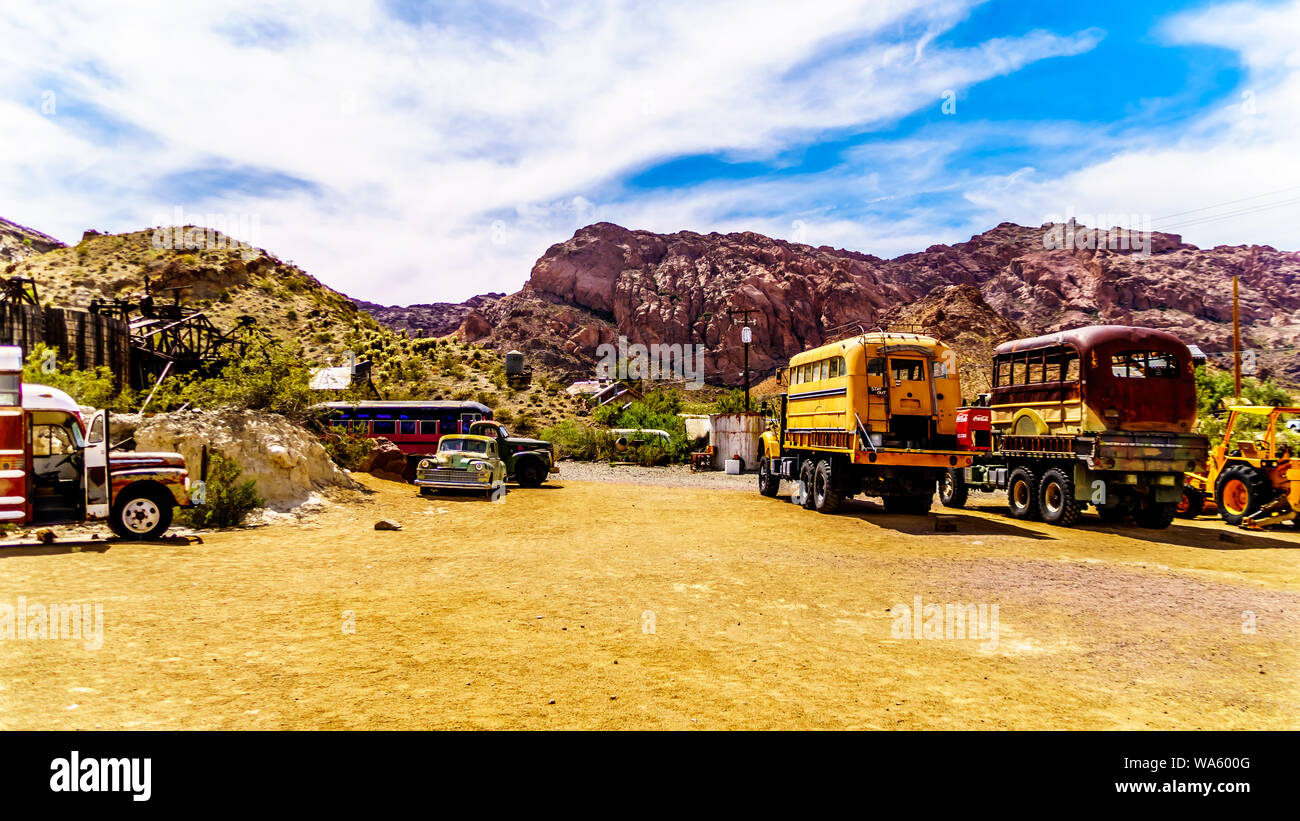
(138, 341)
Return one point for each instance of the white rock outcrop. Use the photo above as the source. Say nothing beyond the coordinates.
(287, 461)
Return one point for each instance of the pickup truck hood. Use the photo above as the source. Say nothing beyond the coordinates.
(528, 444)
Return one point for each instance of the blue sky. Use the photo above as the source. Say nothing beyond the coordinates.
(405, 151)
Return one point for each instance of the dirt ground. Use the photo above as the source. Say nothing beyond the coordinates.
(596, 604)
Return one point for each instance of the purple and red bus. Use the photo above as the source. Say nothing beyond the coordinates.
(414, 426)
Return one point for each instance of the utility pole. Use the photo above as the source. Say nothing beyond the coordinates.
(1236, 344)
(746, 336)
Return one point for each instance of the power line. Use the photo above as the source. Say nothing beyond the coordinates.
(1229, 202)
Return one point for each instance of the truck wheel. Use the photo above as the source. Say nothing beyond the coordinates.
(768, 482)
(1022, 494)
(1056, 498)
(1191, 505)
(1157, 515)
(953, 490)
(826, 499)
(806, 471)
(141, 515)
(1240, 491)
(530, 473)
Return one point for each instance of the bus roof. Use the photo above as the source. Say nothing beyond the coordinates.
(395, 404)
(874, 338)
(45, 398)
(1092, 336)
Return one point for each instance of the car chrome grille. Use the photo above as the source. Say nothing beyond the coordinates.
(448, 475)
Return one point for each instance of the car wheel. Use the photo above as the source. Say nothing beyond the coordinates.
(768, 482)
(826, 499)
(141, 515)
(530, 473)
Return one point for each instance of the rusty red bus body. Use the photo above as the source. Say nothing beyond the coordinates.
(1098, 415)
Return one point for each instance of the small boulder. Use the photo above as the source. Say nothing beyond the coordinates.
(388, 524)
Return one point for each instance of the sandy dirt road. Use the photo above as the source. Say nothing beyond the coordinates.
(595, 605)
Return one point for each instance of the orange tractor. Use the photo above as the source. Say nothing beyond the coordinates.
(1253, 474)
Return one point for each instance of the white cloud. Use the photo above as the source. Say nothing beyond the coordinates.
(1232, 177)
(418, 138)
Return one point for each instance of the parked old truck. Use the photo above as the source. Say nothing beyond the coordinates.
(1099, 416)
(874, 414)
(56, 469)
(527, 461)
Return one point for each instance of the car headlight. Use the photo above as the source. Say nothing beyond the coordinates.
(480, 467)
(425, 464)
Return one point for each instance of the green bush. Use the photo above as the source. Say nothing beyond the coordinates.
(229, 501)
(347, 448)
(1214, 385)
(92, 387)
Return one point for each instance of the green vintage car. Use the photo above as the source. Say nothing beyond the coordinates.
(463, 462)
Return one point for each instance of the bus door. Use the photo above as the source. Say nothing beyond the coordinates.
(14, 475)
(877, 395)
(910, 386)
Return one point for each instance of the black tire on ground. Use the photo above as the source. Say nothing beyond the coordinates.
(918, 505)
(1156, 516)
(141, 515)
(826, 499)
(768, 482)
(1254, 486)
(1056, 500)
(530, 473)
(953, 491)
(806, 470)
(1191, 505)
(1022, 494)
(426, 491)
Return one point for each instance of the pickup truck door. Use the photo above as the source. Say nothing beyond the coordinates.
(99, 490)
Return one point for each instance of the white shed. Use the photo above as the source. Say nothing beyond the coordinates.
(736, 434)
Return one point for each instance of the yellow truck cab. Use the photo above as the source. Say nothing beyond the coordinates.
(874, 414)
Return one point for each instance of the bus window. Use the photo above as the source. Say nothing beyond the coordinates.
(835, 367)
(449, 425)
(1071, 367)
(807, 373)
(826, 369)
(429, 427)
(407, 427)
(1018, 371)
(876, 367)
(382, 427)
(1034, 373)
(908, 370)
(1052, 366)
(1162, 365)
(940, 369)
(1003, 375)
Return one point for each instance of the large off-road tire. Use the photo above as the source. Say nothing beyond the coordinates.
(1056, 500)
(1022, 494)
(1191, 505)
(1240, 491)
(1156, 516)
(826, 498)
(530, 473)
(768, 482)
(918, 505)
(141, 514)
(953, 491)
(806, 471)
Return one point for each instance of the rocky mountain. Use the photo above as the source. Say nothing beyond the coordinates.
(427, 319)
(19, 242)
(608, 281)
